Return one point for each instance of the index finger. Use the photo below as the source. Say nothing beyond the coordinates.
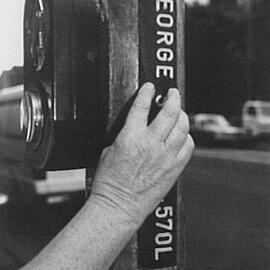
(138, 114)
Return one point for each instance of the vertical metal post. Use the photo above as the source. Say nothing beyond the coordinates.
(135, 35)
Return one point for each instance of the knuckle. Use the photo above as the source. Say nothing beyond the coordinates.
(140, 106)
(171, 111)
(131, 142)
(154, 137)
(123, 139)
(142, 149)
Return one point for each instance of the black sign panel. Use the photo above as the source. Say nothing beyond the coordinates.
(157, 239)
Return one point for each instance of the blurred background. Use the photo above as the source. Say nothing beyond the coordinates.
(226, 185)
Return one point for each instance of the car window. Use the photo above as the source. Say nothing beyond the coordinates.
(215, 121)
(266, 110)
(209, 122)
(251, 111)
(222, 121)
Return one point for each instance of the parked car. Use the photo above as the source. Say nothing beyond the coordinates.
(215, 129)
(256, 117)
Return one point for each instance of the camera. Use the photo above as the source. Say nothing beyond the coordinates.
(83, 61)
(64, 108)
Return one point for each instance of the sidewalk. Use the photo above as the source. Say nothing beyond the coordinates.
(248, 156)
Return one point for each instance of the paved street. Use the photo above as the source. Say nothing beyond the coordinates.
(227, 215)
(227, 209)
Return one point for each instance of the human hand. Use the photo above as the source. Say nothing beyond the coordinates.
(144, 162)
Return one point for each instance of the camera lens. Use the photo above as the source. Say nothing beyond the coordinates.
(31, 117)
(25, 117)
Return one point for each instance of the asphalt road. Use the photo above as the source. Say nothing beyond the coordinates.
(227, 206)
(227, 215)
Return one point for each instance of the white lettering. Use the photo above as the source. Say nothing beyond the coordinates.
(163, 212)
(163, 239)
(166, 38)
(167, 227)
(166, 5)
(165, 54)
(165, 71)
(161, 250)
(165, 20)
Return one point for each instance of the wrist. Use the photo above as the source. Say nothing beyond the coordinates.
(115, 213)
(120, 199)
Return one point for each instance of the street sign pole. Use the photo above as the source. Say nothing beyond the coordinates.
(146, 43)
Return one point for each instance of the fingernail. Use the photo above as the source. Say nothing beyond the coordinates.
(176, 93)
(149, 85)
(173, 91)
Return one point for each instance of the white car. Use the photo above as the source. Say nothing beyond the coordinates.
(209, 128)
(256, 117)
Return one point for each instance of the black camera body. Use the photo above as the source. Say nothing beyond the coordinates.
(64, 110)
(84, 61)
